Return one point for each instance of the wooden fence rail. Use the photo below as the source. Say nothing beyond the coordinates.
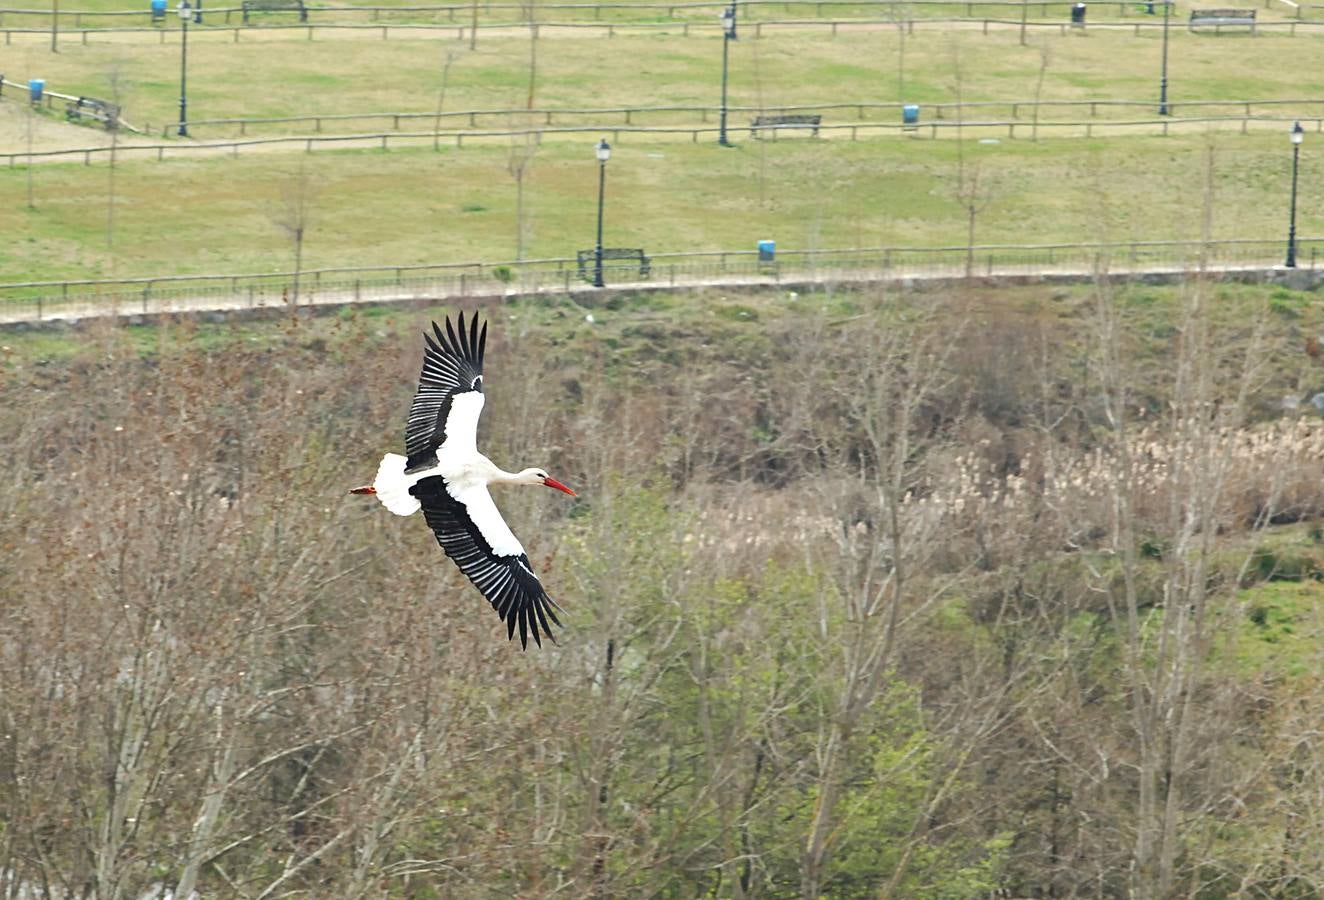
(9, 89)
(384, 141)
(628, 114)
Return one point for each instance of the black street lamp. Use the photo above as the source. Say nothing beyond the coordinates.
(1298, 135)
(603, 152)
(728, 35)
(184, 15)
(1163, 77)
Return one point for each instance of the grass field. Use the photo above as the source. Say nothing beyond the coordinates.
(416, 205)
(287, 76)
(370, 207)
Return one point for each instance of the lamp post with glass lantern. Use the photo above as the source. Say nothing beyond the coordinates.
(185, 13)
(1298, 135)
(728, 35)
(603, 152)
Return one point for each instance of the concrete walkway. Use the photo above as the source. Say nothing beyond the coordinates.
(32, 313)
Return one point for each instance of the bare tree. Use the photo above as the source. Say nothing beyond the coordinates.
(448, 61)
(973, 200)
(900, 14)
(117, 98)
(1044, 57)
(1164, 652)
(530, 8)
(972, 195)
(760, 97)
(298, 195)
(523, 147)
(642, 636)
(904, 371)
(519, 156)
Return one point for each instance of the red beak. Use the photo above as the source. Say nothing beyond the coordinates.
(553, 483)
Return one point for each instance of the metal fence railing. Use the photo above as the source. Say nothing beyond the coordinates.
(30, 301)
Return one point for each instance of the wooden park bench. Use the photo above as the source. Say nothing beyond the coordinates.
(271, 6)
(1220, 17)
(588, 261)
(108, 114)
(776, 123)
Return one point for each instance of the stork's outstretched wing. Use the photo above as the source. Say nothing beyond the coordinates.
(472, 532)
(452, 368)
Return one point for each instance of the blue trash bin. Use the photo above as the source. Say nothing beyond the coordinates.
(36, 86)
(767, 251)
(910, 114)
(158, 11)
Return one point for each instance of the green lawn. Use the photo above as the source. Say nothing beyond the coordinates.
(369, 207)
(416, 205)
(282, 76)
(1279, 631)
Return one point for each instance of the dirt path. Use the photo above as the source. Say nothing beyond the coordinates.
(22, 130)
(78, 144)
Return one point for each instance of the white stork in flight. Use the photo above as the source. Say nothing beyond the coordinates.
(446, 476)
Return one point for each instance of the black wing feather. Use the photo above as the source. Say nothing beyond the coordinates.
(507, 582)
(452, 364)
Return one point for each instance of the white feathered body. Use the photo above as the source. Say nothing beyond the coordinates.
(467, 473)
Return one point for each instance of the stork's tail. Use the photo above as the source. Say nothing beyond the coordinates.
(392, 486)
